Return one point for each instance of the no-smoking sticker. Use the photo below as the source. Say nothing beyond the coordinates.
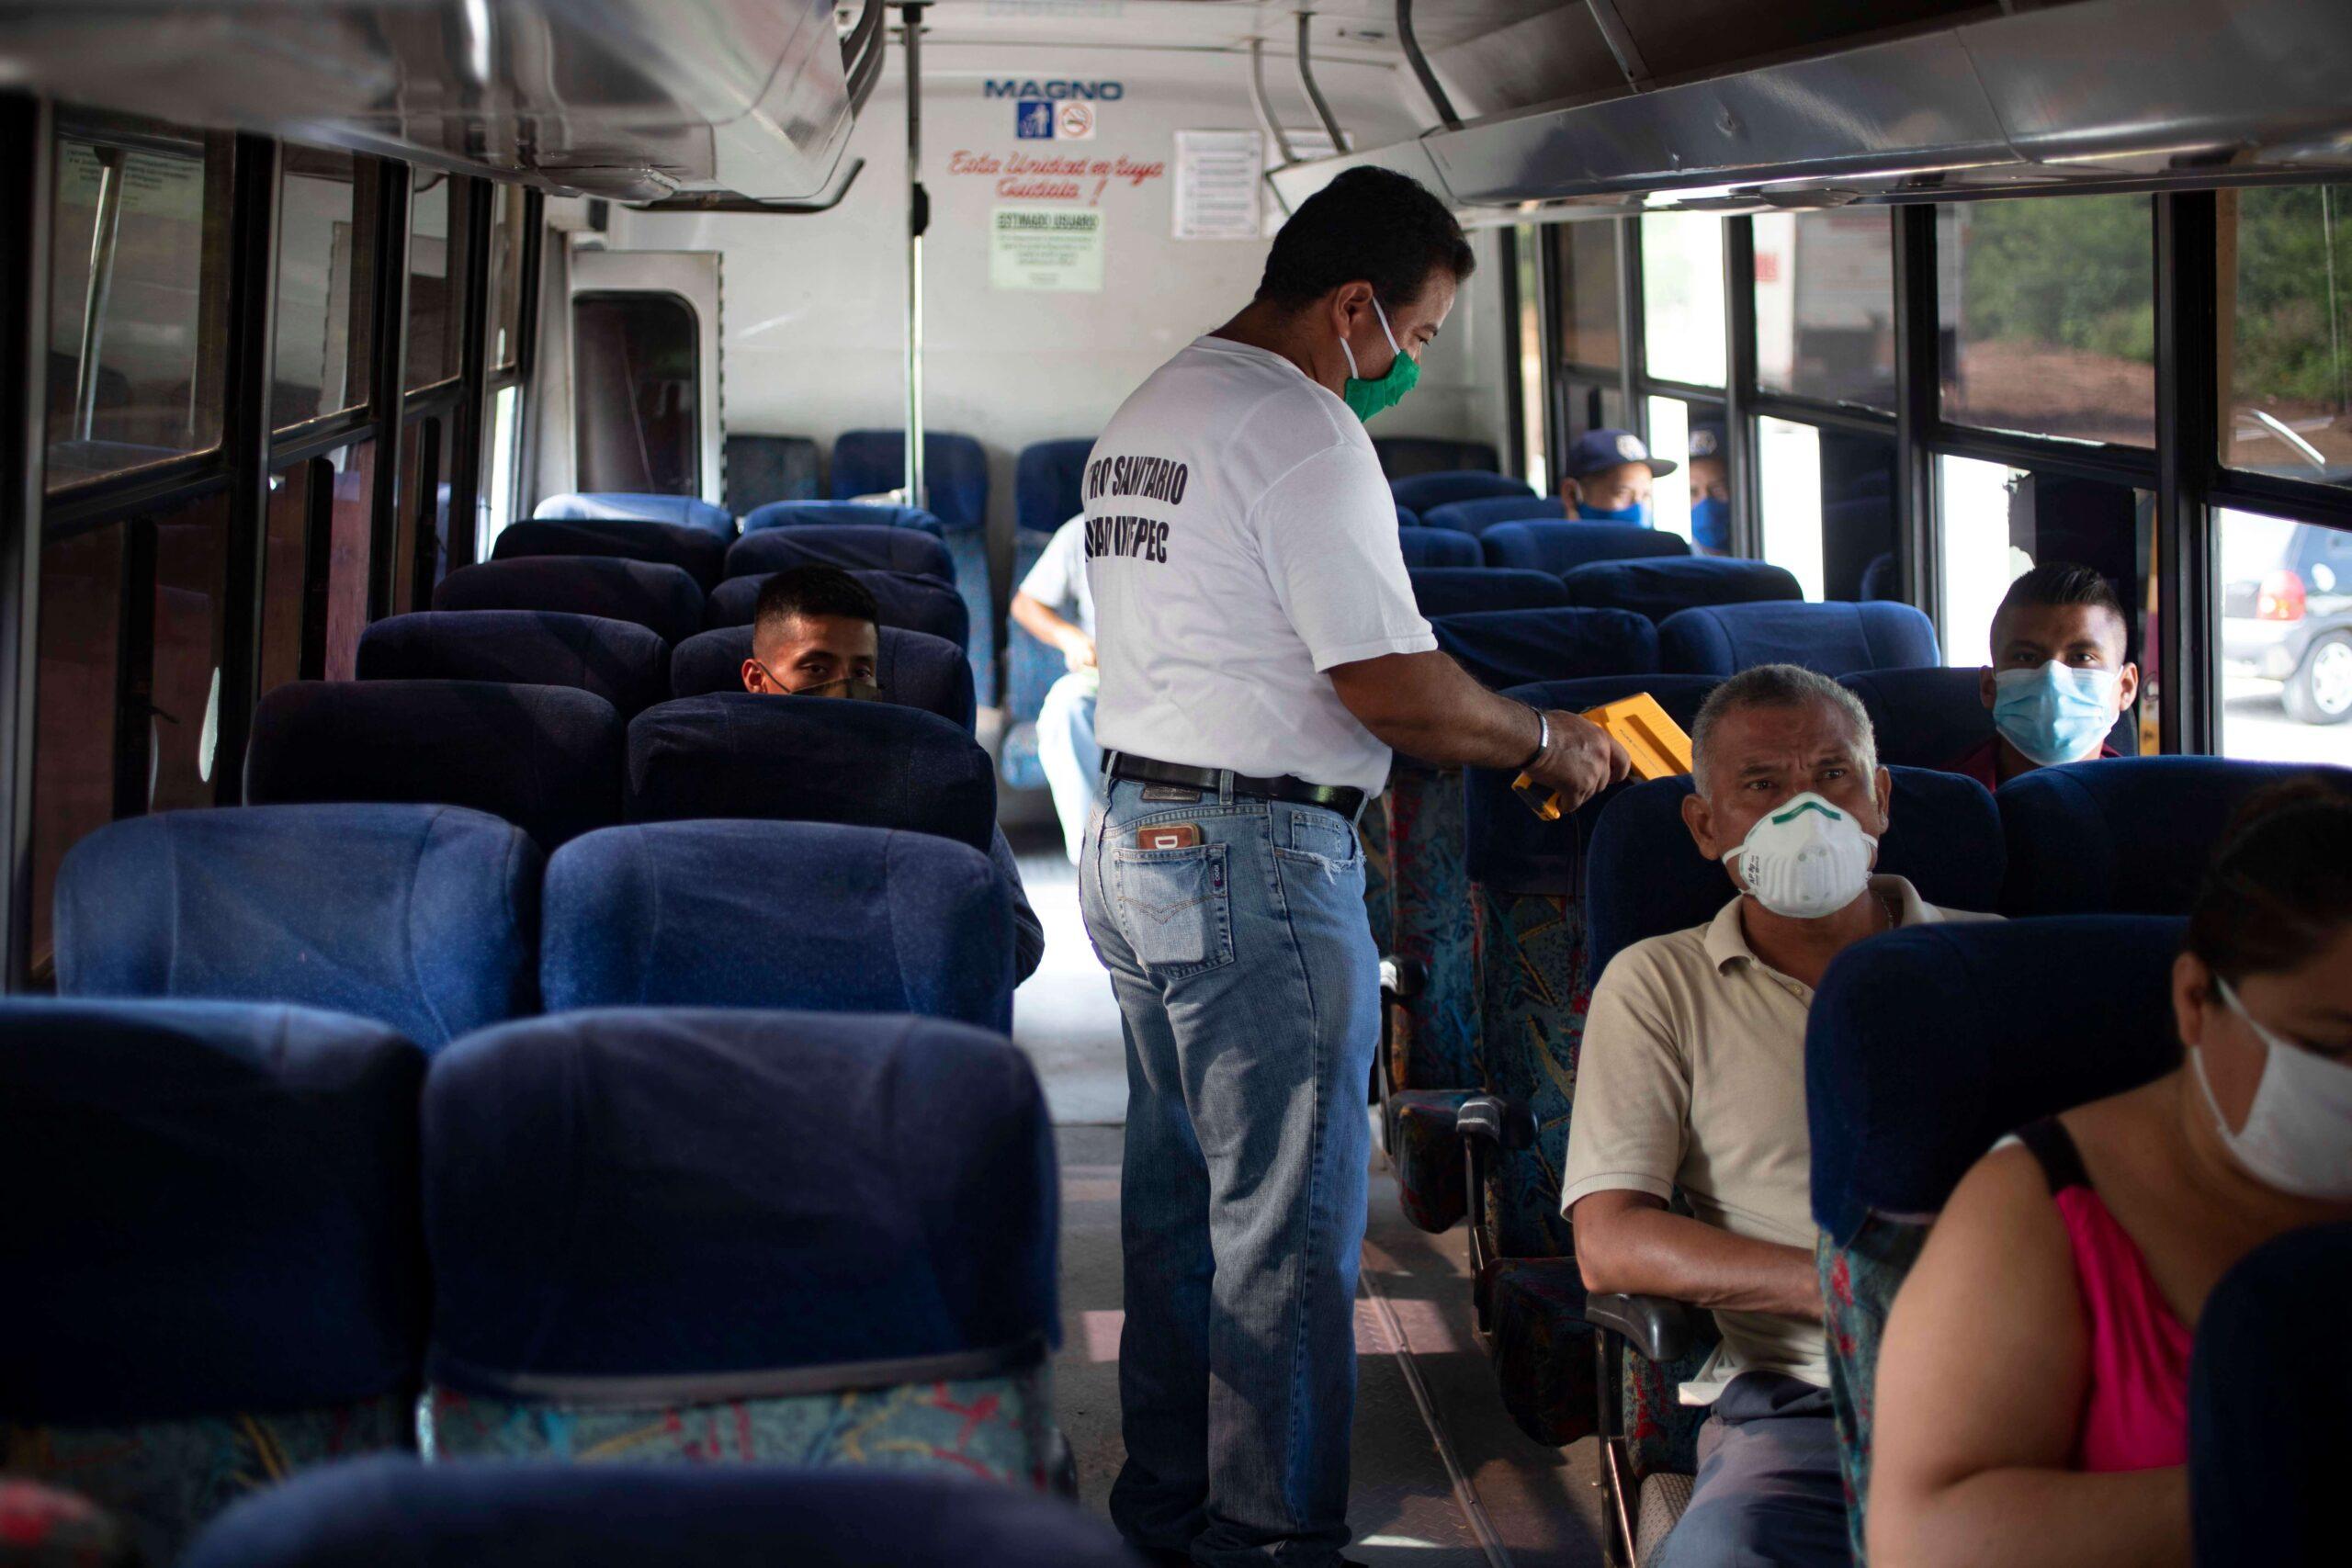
(1075, 122)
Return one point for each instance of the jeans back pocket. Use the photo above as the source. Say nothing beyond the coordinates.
(1174, 907)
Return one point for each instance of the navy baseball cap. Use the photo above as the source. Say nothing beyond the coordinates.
(1707, 440)
(1599, 449)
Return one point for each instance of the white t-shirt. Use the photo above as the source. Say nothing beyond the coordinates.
(1241, 541)
(1058, 580)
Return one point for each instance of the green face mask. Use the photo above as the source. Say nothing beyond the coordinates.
(1368, 397)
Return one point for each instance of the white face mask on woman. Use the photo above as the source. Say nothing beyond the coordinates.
(2298, 1132)
(1804, 859)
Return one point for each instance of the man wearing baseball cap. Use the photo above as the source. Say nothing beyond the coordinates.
(1709, 490)
(1608, 474)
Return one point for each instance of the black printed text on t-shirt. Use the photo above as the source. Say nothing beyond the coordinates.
(1143, 537)
(1151, 479)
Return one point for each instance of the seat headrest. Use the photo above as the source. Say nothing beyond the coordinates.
(955, 471)
(1882, 578)
(547, 759)
(2128, 835)
(424, 918)
(1408, 518)
(1047, 479)
(698, 552)
(905, 599)
(1401, 455)
(1561, 548)
(192, 1181)
(1423, 490)
(779, 915)
(842, 545)
(1475, 517)
(1455, 590)
(1507, 846)
(1661, 586)
(839, 515)
(1925, 1046)
(620, 661)
(913, 668)
(663, 598)
(1511, 648)
(1829, 639)
(1645, 878)
(623, 506)
(810, 759)
(1425, 548)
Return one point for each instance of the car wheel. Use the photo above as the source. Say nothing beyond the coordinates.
(2320, 691)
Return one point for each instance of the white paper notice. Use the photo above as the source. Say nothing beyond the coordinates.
(1057, 249)
(1218, 175)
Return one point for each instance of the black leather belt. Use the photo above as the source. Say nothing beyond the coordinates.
(1348, 803)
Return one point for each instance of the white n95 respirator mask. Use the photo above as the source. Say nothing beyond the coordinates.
(2298, 1132)
(1804, 859)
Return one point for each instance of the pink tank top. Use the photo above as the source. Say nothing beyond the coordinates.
(2135, 1415)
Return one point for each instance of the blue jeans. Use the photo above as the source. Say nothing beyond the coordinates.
(1249, 990)
(1072, 760)
(1769, 1492)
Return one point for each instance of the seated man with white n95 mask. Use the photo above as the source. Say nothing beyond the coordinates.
(1692, 1081)
(816, 632)
(2059, 676)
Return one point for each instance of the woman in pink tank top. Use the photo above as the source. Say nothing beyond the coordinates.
(2030, 1404)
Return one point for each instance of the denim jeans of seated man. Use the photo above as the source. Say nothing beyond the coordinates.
(1249, 990)
(1069, 754)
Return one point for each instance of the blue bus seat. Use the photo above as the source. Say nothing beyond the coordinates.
(547, 759)
(760, 468)
(1441, 548)
(1511, 648)
(1561, 548)
(549, 1515)
(840, 514)
(1829, 639)
(626, 664)
(956, 478)
(1455, 590)
(914, 669)
(859, 547)
(1882, 578)
(1661, 586)
(1408, 518)
(908, 600)
(1476, 516)
(1423, 491)
(2127, 835)
(423, 918)
(774, 914)
(1402, 457)
(626, 506)
(698, 552)
(828, 1240)
(660, 598)
(1048, 483)
(1922, 1048)
(215, 1232)
(1931, 717)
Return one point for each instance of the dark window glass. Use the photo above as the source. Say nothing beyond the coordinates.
(325, 236)
(191, 574)
(414, 447)
(1590, 333)
(636, 379)
(2285, 661)
(2285, 330)
(2048, 315)
(1824, 305)
(436, 245)
(350, 533)
(284, 587)
(81, 599)
(1682, 297)
(506, 276)
(136, 310)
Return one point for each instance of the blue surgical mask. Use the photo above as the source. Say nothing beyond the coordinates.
(1711, 524)
(1370, 397)
(2054, 714)
(1638, 514)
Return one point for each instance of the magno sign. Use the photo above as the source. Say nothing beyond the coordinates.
(1009, 88)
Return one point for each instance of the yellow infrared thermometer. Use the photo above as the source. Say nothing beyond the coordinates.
(1655, 743)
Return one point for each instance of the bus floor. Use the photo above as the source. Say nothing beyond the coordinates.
(1441, 1477)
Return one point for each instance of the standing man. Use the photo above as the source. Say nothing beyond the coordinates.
(1055, 591)
(1260, 653)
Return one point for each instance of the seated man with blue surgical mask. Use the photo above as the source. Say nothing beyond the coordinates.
(2059, 676)
(1709, 490)
(1608, 475)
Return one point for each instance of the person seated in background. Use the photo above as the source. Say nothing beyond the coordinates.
(1608, 474)
(1055, 590)
(1692, 1081)
(2059, 676)
(2031, 1397)
(1709, 490)
(816, 632)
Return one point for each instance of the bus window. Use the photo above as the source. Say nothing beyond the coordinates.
(1787, 458)
(2285, 321)
(502, 436)
(191, 575)
(1824, 306)
(506, 217)
(436, 235)
(1590, 333)
(1669, 421)
(286, 547)
(1682, 298)
(73, 763)
(2285, 660)
(349, 532)
(636, 375)
(325, 236)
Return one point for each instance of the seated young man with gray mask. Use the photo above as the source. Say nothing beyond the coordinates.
(1692, 1079)
(816, 632)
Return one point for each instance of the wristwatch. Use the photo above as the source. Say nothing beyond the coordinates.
(1542, 738)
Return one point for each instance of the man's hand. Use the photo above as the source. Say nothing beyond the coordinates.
(1580, 760)
(1077, 650)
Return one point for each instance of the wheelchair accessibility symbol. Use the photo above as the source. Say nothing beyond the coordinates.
(1033, 120)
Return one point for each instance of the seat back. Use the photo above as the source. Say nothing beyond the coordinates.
(955, 471)
(1932, 717)
(840, 514)
(1437, 548)
(1453, 591)
(905, 599)
(1422, 490)
(859, 547)
(1661, 586)
(810, 759)
(872, 1207)
(2129, 835)
(1925, 1046)
(1408, 518)
(779, 915)
(1882, 578)
(626, 506)
(760, 468)
(661, 598)
(422, 918)
(1511, 648)
(1475, 517)
(1829, 639)
(1561, 548)
(547, 759)
(196, 1183)
(700, 553)
(913, 668)
(2265, 1420)
(1047, 480)
(620, 661)
(1404, 455)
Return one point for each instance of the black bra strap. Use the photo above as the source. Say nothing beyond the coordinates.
(2062, 1164)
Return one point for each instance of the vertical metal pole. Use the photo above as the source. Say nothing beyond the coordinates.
(1515, 348)
(1919, 381)
(245, 442)
(98, 288)
(1314, 94)
(388, 341)
(2188, 417)
(1740, 443)
(27, 162)
(1633, 355)
(918, 219)
(462, 462)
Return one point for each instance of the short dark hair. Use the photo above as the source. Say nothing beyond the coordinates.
(2280, 888)
(1370, 223)
(814, 590)
(2057, 583)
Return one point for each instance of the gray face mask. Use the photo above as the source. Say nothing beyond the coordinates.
(851, 688)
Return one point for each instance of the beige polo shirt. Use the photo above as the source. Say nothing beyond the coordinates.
(1692, 1077)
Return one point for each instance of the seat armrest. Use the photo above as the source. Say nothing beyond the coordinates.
(1496, 1119)
(1658, 1328)
(1403, 977)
